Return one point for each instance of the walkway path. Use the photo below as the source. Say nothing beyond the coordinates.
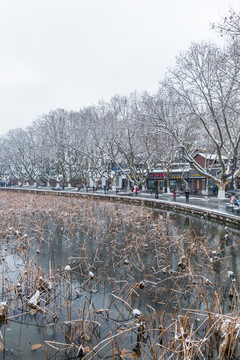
(201, 201)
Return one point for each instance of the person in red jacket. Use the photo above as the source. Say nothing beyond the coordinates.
(136, 191)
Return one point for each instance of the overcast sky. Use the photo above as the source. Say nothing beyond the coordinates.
(72, 53)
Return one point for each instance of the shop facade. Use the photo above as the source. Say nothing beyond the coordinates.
(197, 182)
(156, 180)
(178, 181)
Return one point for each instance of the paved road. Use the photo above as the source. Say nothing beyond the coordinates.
(206, 202)
(201, 201)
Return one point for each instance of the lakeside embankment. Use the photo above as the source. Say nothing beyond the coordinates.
(191, 209)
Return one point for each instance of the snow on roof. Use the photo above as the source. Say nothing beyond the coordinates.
(210, 156)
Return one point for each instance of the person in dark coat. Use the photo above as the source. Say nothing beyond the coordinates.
(187, 193)
(156, 194)
(174, 194)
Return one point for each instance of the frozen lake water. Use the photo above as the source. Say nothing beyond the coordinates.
(113, 280)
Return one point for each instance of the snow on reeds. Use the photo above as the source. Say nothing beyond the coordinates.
(115, 281)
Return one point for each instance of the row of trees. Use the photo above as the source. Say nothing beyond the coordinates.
(197, 106)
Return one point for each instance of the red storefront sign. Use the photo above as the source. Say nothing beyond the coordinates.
(157, 175)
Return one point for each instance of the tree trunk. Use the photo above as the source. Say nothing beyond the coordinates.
(114, 185)
(168, 181)
(168, 185)
(206, 185)
(221, 190)
(70, 176)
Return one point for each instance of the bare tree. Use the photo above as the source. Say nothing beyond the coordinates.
(136, 151)
(100, 147)
(58, 134)
(19, 147)
(167, 151)
(200, 99)
(5, 174)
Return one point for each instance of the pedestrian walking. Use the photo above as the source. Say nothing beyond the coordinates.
(156, 194)
(174, 194)
(105, 189)
(136, 191)
(63, 186)
(232, 199)
(187, 193)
